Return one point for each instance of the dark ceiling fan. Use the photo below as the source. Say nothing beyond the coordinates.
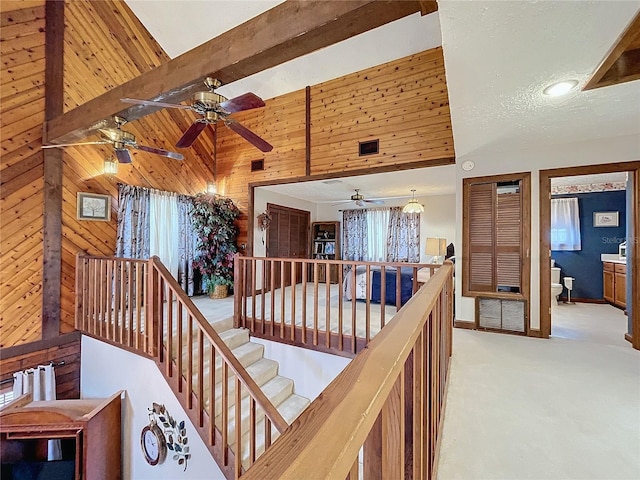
(360, 200)
(213, 107)
(121, 141)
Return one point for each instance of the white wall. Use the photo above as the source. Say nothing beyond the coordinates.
(437, 220)
(107, 369)
(310, 370)
(598, 151)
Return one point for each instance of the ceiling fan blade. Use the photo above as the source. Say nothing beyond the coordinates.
(123, 155)
(375, 202)
(248, 135)
(191, 134)
(341, 203)
(75, 144)
(160, 151)
(155, 104)
(243, 102)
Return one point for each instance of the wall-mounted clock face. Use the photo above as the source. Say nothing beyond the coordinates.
(153, 443)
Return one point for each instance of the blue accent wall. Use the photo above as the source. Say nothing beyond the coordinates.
(585, 265)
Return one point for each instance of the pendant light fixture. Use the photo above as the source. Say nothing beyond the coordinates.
(413, 206)
(110, 166)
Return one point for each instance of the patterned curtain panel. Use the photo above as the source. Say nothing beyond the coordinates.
(186, 245)
(133, 222)
(403, 242)
(354, 236)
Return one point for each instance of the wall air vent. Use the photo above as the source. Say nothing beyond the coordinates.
(501, 314)
(257, 165)
(369, 148)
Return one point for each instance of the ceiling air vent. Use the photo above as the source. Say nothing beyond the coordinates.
(257, 165)
(369, 148)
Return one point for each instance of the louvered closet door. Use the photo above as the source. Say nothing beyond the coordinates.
(481, 237)
(508, 240)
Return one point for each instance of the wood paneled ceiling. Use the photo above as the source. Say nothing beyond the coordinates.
(622, 62)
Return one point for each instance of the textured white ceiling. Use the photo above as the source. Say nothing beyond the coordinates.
(499, 55)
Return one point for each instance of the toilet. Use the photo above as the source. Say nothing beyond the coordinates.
(556, 286)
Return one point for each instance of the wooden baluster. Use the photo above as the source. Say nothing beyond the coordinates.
(372, 452)
(200, 389)
(263, 305)
(238, 292)
(238, 432)
(292, 315)
(252, 430)
(189, 362)
(414, 288)
(131, 301)
(383, 295)
(315, 303)
(244, 292)
(304, 302)
(212, 394)
(100, 298)
(107, 296)
(225, 413)
(123, 303)
(140, 270)
(97, 329)
(253, 294)
(170, 340)
(393, 431)
(85, 294)
(327, 305)
(340, 307)
(115, 301)
(367, 313)
(282, 299)
(353, 308)
(354, 472)
(418, 422)
(267, 433)
(272, 287)
(398, 288)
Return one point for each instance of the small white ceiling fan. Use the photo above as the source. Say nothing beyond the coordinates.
(360, 200)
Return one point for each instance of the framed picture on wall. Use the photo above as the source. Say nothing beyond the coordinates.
(605, 219)
(93, 206)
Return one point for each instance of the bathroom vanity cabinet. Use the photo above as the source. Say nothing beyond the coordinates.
(614, 283)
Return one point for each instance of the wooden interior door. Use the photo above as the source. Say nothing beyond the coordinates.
(287, 237)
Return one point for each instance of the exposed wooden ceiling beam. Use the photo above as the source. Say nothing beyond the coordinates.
(287, 31)
(622, 61)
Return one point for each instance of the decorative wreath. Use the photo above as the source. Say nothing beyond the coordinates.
(264, 219)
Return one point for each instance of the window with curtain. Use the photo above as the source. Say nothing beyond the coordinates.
(381, 235)
(565, 224)
(154, 222)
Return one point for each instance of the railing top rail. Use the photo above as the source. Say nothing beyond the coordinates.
(101, 257)
(327, 436)
(347, 262)
(225, 352)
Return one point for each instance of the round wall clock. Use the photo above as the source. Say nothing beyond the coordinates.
(153, 443)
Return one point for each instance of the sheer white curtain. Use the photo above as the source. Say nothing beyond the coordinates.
(164, 225)
(565, 224)
(41, 383)
(377, 231)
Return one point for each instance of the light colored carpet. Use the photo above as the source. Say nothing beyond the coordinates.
(524, 408)
(589, 322)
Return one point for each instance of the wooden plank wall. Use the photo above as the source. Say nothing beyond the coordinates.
(403, 103)
(105, 45)
(21, 170)
(64, 349)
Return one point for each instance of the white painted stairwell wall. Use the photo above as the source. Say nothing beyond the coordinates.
(107, 369)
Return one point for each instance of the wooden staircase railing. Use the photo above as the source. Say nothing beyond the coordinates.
(311, 311)
(139, 306)
(386, 405)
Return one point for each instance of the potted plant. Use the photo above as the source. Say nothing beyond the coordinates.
(213, 221)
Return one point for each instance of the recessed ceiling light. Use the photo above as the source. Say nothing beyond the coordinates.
(560, 88)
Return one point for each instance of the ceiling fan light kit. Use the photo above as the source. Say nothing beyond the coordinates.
(110, 166)
(413, 206)
(213, 107)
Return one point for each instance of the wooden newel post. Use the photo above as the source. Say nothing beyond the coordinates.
(238, 293)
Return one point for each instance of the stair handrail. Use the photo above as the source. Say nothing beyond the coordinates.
(225, 352)
(328, 435)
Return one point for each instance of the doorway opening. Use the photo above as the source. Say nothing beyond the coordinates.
(577, 298)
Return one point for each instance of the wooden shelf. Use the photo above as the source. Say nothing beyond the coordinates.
(325, 245)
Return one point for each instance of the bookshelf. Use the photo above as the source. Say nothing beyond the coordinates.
(325, 245)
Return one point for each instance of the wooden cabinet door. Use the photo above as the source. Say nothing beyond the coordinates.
(620, 290)
(608, 285)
